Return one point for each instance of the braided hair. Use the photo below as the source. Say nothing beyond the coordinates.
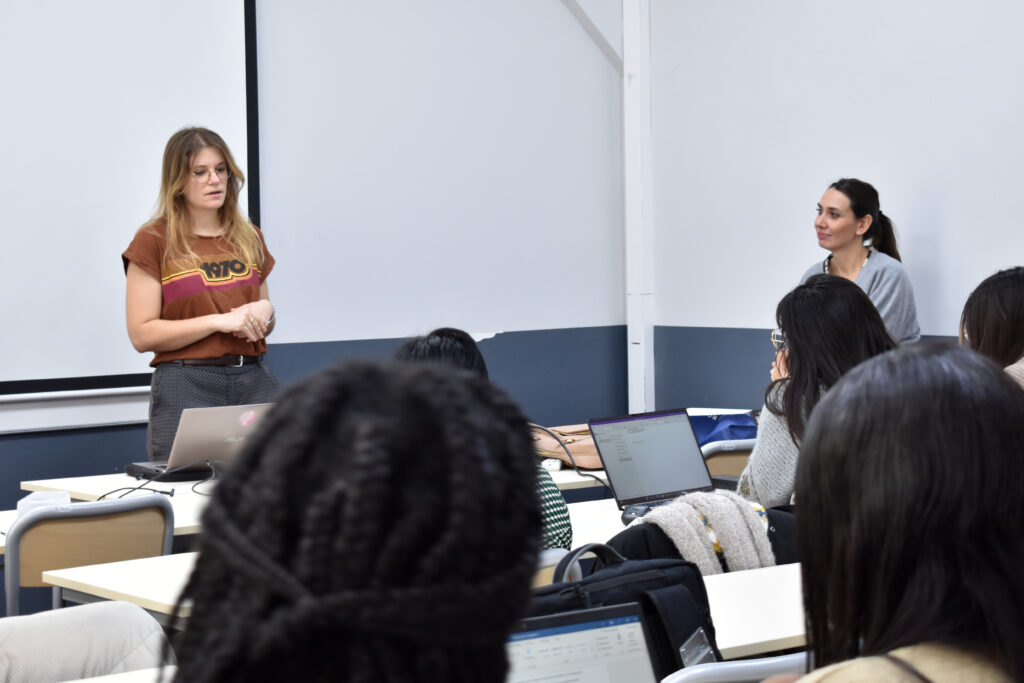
(382, 525)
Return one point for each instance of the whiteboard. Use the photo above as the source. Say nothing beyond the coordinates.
(758, 107)
(449, 163)
(91, 92)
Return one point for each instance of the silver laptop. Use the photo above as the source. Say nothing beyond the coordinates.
(589, 646)
(206, 437)
(650, 458)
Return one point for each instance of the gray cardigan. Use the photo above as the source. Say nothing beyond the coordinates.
(771, 469)
(886, 283)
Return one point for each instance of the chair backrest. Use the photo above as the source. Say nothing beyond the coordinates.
(727, 457)
(81, 534)
(740, 671)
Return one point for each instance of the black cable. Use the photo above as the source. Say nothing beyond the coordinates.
(572, 460)
(140, 487)
(160, 477)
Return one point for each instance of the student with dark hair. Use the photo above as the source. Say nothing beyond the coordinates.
(992, 322)
(453, 347)
(862, 243)
(826, 326)
(382, 525)
(447, 346)
(911, 499)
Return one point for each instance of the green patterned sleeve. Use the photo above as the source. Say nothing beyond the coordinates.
(557, 532)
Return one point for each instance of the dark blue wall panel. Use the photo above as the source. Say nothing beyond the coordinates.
(557, 376)
(65, 453)
(711, 367)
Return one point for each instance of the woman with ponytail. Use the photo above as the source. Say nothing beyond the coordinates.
(862, 243)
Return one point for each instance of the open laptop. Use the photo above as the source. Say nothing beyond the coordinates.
(650, 458)
(204, 436)
(602, 644)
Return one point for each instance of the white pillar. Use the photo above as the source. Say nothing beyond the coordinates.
(639, 224)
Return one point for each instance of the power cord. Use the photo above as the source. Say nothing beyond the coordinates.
(572, 460)
(144, 486)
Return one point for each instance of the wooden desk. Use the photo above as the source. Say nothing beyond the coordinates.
(188, 505)
(91, 488)
(152, 583)
(757, 611)
(567, 479)
(140, 676)
(594, 521)
(754, 612)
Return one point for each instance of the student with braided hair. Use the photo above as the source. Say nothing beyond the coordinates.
(382, 525)
(453, 347)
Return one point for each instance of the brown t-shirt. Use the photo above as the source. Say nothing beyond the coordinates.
(221, 282)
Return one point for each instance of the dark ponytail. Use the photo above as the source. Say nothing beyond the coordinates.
(864, 202)
(883, 236)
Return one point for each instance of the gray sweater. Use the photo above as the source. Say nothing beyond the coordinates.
(771, 470)
(886, 283)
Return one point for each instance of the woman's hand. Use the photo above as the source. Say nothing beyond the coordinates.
(779, 369)
(248, 322)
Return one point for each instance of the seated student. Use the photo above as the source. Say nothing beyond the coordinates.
(826, 326)
(449, 346)
(993, 320)
(911, 498)
(382, 525)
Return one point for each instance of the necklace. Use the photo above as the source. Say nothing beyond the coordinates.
(870, 250)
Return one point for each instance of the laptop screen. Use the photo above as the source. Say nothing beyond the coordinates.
(649, 457)
(605, 644)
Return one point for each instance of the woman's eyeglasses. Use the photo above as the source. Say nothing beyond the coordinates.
(203, 174)
(778, 339)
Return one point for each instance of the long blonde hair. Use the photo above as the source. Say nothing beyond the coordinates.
(173, 212)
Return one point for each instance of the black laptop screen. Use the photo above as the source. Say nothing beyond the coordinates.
(650, 457)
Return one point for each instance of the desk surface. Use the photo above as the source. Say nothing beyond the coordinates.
(91, 488)
(757, 611)
(188, 505)
(152, 583)
(139, 676)
(754, 612)
(594, 521)
(568, 479)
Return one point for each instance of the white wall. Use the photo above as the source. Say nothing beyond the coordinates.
(447, 163)
(758, 106)
(91, 91)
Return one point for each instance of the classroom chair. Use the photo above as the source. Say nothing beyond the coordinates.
(727, 458)
(546, 564)
(81, 534)
(740, 671)
(83, 641)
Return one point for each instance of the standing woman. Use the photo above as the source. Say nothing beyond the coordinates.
(862, 243)
(197, 290)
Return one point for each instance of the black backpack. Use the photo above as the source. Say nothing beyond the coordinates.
(671, 594)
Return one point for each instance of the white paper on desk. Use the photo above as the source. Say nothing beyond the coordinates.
(42, 499)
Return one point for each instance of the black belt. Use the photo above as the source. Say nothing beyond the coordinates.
(223, 361)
